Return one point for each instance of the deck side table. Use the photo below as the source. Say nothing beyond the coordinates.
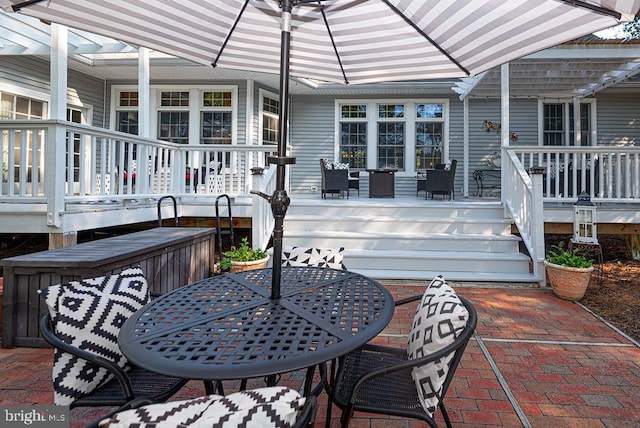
(382, 182)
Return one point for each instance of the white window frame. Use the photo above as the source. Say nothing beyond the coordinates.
(262, 94)
(195, 107)
(568, 104)
(409, 119)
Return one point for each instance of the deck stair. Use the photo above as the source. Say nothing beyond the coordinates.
(394, 239)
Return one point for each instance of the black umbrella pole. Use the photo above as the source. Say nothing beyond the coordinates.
(279, 200)
(279, 204)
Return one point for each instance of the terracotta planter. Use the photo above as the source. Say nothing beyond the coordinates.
(568, 282)
(256, 264)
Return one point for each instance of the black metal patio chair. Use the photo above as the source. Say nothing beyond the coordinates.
(82, 324)
(124, 386)
(378, 379)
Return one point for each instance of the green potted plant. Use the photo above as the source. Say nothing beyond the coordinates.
(243, 258)
(568, 271)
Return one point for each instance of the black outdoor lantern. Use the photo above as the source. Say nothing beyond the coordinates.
(584, 220)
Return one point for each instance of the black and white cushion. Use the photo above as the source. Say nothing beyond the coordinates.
(339, 165)
(264, 407)
(89, 314)
(319, 257)
(327, 164)
(439, 320)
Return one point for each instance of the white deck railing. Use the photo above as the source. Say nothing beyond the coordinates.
(609, 173)
(86, 162)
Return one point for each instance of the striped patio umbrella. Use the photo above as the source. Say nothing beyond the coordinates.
(348, 41)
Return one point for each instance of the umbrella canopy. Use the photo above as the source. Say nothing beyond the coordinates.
(349, 41)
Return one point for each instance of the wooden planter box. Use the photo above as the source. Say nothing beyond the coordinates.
(170, 258)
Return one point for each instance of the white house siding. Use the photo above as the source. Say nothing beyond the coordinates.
(28, 76)
(312, 136)
(618, 119)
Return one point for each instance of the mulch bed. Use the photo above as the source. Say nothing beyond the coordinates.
(617, 298)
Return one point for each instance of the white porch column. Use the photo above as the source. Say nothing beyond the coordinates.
(55, 146)
(144, 118)
(576, 122)
(465, 155)
(504, 120)
(144, 106)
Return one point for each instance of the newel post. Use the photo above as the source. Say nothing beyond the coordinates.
(537, 225)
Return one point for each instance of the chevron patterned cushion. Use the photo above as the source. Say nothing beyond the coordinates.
(264, 407)
(340, 165)
(439, 320)
(320, 257)
(89, 314)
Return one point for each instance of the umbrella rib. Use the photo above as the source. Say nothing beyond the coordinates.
(426, 36)
(593, 7)
(335, 48)
(231, 30)
(18, 6)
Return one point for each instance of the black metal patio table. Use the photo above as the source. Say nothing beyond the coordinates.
(227, 327)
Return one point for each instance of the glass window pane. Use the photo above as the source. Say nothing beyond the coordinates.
(353, 144)
(174, 126)
(269, 130)
(129, 99)
(390, 111)
(174, 99)
(127, 122)
(429, 138)
(216, 127)
(553, 125)
(271, 105)
(216, 99)
(37, 110)
(22, 108)
(391, 145)
(6, 106)
(428, 111)
(353, 111)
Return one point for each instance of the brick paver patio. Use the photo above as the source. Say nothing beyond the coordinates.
(536, 361)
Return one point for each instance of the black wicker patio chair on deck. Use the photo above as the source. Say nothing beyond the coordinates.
(378, 379)
(334, 180)
(441, 180)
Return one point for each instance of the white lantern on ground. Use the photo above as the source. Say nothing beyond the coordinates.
(584, 220)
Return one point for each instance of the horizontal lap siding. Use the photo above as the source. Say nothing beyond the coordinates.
(618, 120)
(31, 75)
(312, 137)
